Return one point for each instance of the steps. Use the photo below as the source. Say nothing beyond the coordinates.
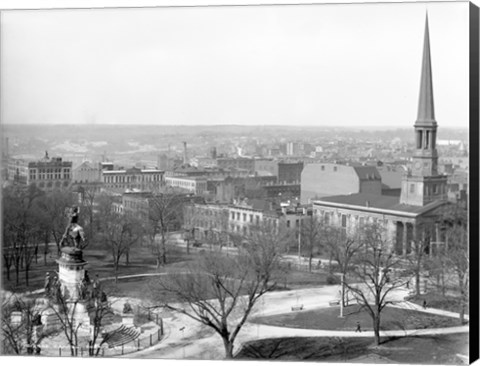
(121, 335)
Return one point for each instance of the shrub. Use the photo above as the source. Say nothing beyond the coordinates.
(332, 280)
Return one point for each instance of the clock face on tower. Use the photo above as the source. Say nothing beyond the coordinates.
(418, 165)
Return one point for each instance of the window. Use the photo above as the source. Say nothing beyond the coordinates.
(251, 218)
(288, 223)
(412, 188)
(245, 217)
(344, 221)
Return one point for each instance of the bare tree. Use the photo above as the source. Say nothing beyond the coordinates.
(220, 291)
(164, 213)
(20, 334)
(417, 258)
(372, 270)
(343, 248)
(312, 230)
(456, 247)
(21, 226)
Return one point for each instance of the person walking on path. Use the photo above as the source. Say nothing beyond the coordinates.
(359, 329)
(424, 304)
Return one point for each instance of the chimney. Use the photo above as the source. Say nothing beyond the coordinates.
(185, 157)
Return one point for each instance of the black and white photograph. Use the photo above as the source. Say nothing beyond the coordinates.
(248, 181)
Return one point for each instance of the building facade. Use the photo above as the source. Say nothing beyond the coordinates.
(133, 178)
(196, 185)
(50, 173)
(325, 179)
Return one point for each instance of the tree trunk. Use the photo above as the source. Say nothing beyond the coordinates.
(164, 249)
(376, 329)
(17, 272)
(45, 252)
(417, 282)
(228, 345)
(7, 270)
(310, 258)
(27, 267)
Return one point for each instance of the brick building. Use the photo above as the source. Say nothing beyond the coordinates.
(50, 173)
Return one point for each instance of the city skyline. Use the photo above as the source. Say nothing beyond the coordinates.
(292, 65)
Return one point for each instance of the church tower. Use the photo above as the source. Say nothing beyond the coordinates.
(423, 184)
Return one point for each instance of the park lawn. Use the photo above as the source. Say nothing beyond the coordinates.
(328, 319)
(440, 349)
(99, 262)
(437, 301)
(296, 279)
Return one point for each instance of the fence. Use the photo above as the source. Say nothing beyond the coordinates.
(145, 340)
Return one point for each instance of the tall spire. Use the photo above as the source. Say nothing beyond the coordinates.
(426, 111)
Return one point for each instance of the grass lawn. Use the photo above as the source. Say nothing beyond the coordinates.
(438, 301)
(418, 350)
(328, 319)
(99, 262)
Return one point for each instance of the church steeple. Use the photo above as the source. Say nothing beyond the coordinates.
(426, 113)
(423, 184)
(425, 157)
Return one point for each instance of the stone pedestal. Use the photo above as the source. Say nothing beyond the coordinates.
(128, 320)
(71, 272)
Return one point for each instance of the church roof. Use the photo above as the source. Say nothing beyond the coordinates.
(375, 202)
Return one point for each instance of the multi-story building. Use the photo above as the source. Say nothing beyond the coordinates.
(224, 221)
(322, 180)
(196, 185)
(133, 178)
(50, 173)
(290, 172)
(86, 172)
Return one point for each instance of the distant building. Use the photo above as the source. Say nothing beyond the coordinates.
(50, 173)
(322, 180)
(239, 163)
(290, 172)
(265, 166)
(133, 178)
(17, 170)
(86, 172)
(196, 185)
(221, 221)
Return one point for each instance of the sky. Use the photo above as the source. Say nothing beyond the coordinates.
(314, 65)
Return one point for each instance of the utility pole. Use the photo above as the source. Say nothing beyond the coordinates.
(299, 243)
(342, 294)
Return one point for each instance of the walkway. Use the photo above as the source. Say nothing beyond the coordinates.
(186, 338)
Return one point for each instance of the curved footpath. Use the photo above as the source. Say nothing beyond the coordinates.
(197, 342)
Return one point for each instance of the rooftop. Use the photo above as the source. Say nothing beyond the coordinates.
(367, 201)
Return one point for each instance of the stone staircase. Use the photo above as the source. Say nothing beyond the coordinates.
(121, 336)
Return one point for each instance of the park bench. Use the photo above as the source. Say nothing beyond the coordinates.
(297, 307)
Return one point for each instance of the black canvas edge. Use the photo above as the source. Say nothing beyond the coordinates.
(473, 181)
